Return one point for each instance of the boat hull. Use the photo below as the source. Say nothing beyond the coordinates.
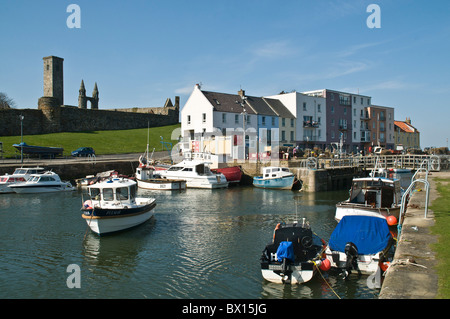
(284, 182)
(356, 210)
(300, 273)
(31, 189)
(161, 184)
(367, 264)
(106, 221)
(232, 174)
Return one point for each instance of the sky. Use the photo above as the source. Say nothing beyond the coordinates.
(142, 52)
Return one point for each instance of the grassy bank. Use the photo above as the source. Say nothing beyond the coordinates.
(103, 142)
(441, 209)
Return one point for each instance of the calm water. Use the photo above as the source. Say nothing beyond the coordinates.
(200, 244)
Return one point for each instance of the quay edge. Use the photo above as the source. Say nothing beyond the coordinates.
(404, 280)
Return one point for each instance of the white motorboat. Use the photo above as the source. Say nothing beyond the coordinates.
(20, 175)
(360, 243)
(197, 174)
(46, 182)
(292, 256)
(113, 206)
(372, 196)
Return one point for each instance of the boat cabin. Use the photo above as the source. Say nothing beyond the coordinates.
(115, 190)
(271, 172)
(200, 168)
(11, 179)
(375, 192)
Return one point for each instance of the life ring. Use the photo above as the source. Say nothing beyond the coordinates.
(87, 204)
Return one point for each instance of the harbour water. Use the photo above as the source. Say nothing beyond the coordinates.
(200, 244)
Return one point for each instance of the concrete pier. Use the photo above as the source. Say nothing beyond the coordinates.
(412, 273)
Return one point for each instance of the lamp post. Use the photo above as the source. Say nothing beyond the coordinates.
(244, 113)
(21, 117)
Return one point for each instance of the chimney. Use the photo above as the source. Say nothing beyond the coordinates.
(241, 93)
(408, 120)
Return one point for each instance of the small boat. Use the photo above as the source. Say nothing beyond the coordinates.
(360, 243)
(148, 177)
(292, 255)
(20, 175)
(275, 177)
(197, 174)
(113, 206)
(39, 150)
(233, 174)
(372, 196)
(46, 182)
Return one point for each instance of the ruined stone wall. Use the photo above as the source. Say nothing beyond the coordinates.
(48, 119)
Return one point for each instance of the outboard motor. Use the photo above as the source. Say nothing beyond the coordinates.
(351, 253)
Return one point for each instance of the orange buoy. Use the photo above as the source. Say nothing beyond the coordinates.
(384, 266)
(391, 220)
(325, 265)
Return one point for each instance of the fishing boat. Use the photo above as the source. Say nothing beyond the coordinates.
(148, 177)
(292, 256)
(233, 174)
(275, 177)
(20, 175)
(113, 206)
(46, 182)
(372, 196)
(197, 174)
(359, 243)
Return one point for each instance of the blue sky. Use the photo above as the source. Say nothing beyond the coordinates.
(142, 52)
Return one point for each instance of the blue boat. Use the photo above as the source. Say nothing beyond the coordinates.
(39, 150)
(275, 177)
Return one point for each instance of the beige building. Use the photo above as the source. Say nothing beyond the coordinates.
(406, 134)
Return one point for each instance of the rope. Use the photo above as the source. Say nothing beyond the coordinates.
(318, 269)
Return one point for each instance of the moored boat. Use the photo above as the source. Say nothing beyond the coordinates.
(293, 254)
(372, 196)
(20, 175)
(197, 174)
(39, 150)
(233, 174)
(147, 178)
(47, 182)
(275, 178)
(113, 206)
(359, 243)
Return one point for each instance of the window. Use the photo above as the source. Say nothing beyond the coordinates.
(108, 194)
(318, 120)
(332, 134)
(292, 135)
(283, 135)
(332, 109)
(122, 193)
(319, 133)
(345, 111)
(204, 117)
(283, 122)
(331, 96)
(318, 108)
(332, 122)
(354, 135)
(273, 121)
(362, 100)
(248, 119)
(354, 112)
(304, 106)
(188, 119)
(354, 99)
(292, 122)
(224, 117)
(263, 120)
(236, 119)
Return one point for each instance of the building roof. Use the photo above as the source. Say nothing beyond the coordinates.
(223, 102)
(405, 127)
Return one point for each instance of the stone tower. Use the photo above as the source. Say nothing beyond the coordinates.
(94, 99)
(53, 78)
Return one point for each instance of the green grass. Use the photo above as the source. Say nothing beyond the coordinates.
(441, 210)
(103, 142)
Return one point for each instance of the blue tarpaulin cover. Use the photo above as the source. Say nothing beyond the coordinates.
(285, 250)
(370, 234)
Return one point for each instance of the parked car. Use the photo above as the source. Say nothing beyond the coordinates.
(83, 151)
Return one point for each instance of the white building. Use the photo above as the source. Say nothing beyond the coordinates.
(310, 116)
